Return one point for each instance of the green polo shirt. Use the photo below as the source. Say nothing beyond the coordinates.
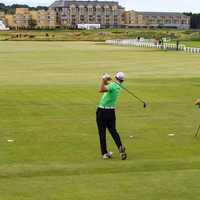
(109, 98)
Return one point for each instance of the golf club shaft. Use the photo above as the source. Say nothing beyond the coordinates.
(197, 131)
(131, 93)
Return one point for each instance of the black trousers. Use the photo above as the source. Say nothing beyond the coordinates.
(106, 119)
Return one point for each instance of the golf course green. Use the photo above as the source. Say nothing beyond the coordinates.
(49, 148)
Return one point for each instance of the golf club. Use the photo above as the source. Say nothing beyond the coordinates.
(197, 133)
(132, 94)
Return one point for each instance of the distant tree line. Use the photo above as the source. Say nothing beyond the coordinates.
(11, 9)
(195, 20)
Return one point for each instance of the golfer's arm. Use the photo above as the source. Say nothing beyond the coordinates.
(103, 87)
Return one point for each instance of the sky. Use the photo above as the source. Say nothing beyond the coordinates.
(138, 5)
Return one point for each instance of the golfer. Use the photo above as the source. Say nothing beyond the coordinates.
(105, 114)
(197, 102)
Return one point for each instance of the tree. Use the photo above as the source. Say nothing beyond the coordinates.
(195, 20)
(32, 23)
(12, 8)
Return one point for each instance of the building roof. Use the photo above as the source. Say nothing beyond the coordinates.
(175, 14)
(67, 3)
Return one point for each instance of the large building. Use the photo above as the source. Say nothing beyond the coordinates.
(71, 13)
(24, 19)
(20, 20)
(44, 18)
(2, 16)
(156, 19)
(104, 14)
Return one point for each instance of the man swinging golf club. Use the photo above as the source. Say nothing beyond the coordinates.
(105, 115)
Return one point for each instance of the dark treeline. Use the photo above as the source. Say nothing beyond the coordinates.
(195, 20)
(11, 9)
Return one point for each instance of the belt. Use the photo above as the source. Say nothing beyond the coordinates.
(106, 107)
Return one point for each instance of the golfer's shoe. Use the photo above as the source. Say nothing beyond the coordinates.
(107, 155)
(122, 153)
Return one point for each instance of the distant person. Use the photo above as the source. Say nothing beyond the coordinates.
(105, 114)
(162, 43)
(177, 45)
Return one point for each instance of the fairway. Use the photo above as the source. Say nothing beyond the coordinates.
(48, 98)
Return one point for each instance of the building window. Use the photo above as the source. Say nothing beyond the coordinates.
(81, 10)
(175, 21)
(168, 21)
(90, 10)
(183, 22)
(98, 10)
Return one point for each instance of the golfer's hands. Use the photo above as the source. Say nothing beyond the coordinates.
(197, 102)
(106, 78)
(104, 82)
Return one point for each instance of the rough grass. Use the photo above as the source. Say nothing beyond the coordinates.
(192, 43)
(98, 35)
(48, 99)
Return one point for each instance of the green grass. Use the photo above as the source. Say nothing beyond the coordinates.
(195, 44)
(48, 97)
(192, 43)
(99, 35)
